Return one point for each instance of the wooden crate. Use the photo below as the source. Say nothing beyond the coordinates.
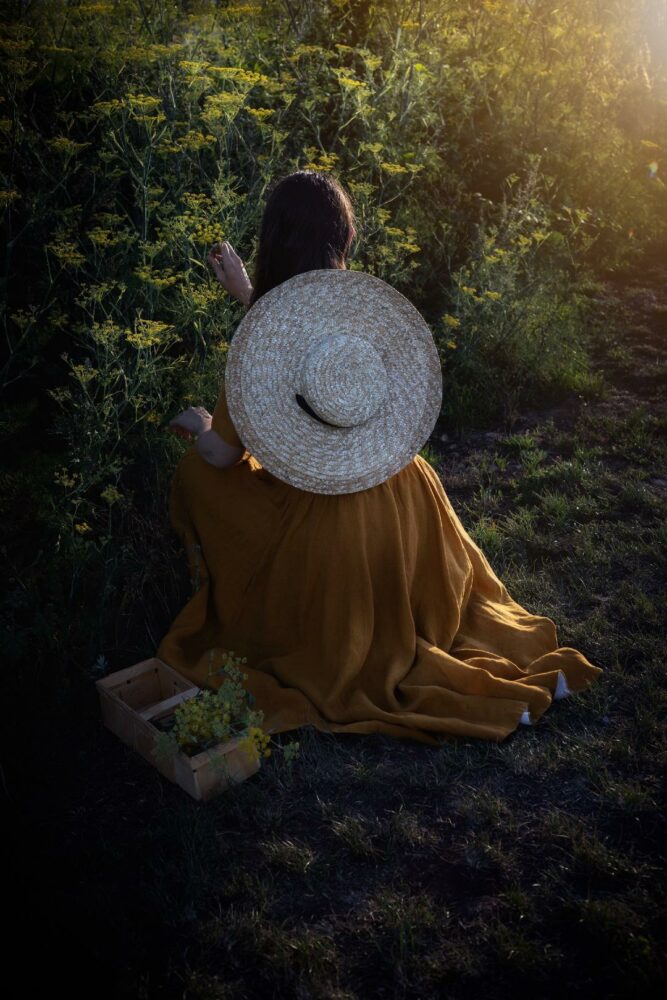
(132, 698)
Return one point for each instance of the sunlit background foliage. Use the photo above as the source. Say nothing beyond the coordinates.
(499, 154)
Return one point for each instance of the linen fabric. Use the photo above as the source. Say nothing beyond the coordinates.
(368, 612)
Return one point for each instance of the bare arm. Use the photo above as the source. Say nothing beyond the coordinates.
(214, 450)
(196, 422)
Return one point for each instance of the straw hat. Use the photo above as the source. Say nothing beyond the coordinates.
(347, 348)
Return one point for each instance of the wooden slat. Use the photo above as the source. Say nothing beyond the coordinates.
(167, 703)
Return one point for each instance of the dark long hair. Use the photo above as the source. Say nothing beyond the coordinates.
(308, 224)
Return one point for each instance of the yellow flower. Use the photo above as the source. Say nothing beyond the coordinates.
(451, 343)
(82, 527)
(148, 333)
(66, 252)
(452, 321)
(62, 144)
(493, 295)
(247, 745)
(196, 140)
(260, 113)
(154, 278)
(106, 107)
(351, 83)
(143, 101)
(83, 373)
(222, 106)
(111, 494)
(64, 477)
(105, 238)
(393, 168)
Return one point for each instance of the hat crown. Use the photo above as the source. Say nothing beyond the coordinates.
(344, 379)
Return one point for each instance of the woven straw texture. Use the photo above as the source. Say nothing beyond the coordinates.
(361, 356)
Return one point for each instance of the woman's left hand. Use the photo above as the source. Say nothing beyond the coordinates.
(195, 420)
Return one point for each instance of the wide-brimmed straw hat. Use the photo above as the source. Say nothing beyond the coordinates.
(333, 381)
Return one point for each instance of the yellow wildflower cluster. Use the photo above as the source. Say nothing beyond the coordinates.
(107, 107)
(306, 50)
(23, 318)
(191, 67)
(260, 114)
(238, 74)
(200, 296)
(216, 717)
(82, 527)
(83, 373)
(350, 82)
(393, 168)
(62, 144)
(167, 146)
(451, 321)
(492, 258)
(106, 333)
(361, 188)
(111, 494)
(372, 61)
(148, 53)
(225, 106)
(105, 238)
(155, 278)
(195, 140)
(144, 108)
(408, 243)
(66, 253)
(318, 160)
(66, 478)
(494, 296)
(240, 9)
(205, 233)
(148, 333)
(255, 744)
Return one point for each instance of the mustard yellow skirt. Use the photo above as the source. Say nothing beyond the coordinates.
(369, 612)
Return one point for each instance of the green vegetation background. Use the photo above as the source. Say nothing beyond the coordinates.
(499, 155)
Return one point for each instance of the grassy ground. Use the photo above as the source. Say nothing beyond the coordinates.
(382, 869)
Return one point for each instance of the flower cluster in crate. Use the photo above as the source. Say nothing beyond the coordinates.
(215, 717)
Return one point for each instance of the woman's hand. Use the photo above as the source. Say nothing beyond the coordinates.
(195, 420)
(230, 271)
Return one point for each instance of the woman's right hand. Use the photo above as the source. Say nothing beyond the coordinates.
(230, 271)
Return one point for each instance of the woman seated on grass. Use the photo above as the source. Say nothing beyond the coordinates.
(361, 603)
